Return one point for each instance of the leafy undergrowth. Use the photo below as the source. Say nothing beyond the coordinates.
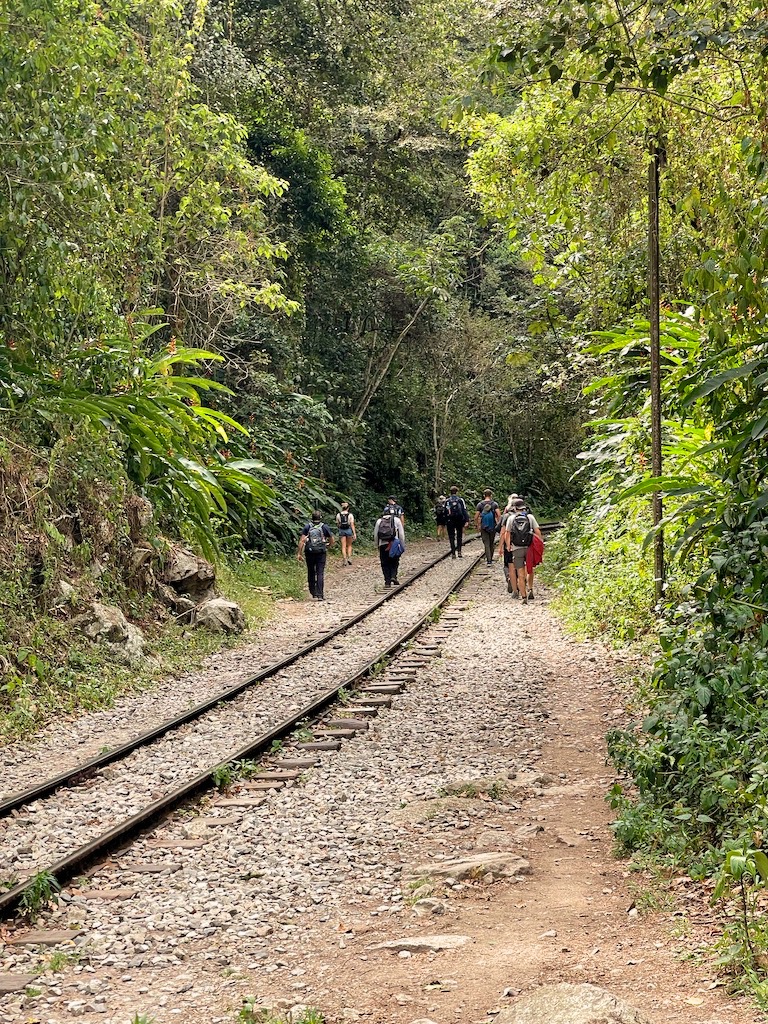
(603, 574)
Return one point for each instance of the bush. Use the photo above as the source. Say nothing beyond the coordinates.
(699, 761)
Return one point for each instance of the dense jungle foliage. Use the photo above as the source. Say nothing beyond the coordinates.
(257, 257)
(595, 88)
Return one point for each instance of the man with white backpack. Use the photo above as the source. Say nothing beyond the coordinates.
(314, 542)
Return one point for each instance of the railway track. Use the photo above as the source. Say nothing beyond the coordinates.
(92, 789)
(58, 806)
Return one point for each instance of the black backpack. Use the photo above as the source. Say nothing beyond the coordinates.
(455, 507)
(387, 528)
(344, 520)
(316, 541)
(520, 530)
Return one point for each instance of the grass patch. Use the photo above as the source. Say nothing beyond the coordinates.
(255, 583)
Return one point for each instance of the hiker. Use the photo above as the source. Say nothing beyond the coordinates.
(345, 521)
(389, 537)
(314, 542)
(487, 518)
(457, 518)
(520, 529)
(392, 508)
(441, 516)
(511, 500)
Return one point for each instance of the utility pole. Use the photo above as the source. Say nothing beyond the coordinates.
(655, 339)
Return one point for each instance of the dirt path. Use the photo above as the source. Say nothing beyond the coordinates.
(318, 877)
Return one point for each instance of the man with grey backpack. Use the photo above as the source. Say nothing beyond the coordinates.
(314, 542)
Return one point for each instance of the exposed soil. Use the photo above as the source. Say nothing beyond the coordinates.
(508, 689)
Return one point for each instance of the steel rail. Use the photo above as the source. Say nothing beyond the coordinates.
(50, 785)
(66, 868)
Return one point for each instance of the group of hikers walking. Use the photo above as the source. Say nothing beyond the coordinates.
(520, 545)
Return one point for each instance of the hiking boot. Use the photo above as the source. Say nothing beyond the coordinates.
(530, 595)
(510, 588)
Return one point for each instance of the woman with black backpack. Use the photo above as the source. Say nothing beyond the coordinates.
(347, 532)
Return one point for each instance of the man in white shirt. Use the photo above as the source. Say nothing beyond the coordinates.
(518, 532)
(388, 529)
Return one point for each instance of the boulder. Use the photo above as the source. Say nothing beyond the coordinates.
(220, 615)
(189, 574)
(570, 1004)
(105, 622)
(500, 865)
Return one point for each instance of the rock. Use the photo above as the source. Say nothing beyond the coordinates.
(184, 608)
(502, 865)
(140, 557)
(422, 1020)
(189, 574)
(42, 938)
(429, 906)
(15, 982)
(133, 649)
(139, 513)
(67, 594)
(424, 943)
(106, 622)
(220, 616)
(570, 1004)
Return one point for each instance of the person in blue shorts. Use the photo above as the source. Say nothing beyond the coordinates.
(345, 522)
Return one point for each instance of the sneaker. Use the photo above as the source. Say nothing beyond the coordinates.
(395, 583)
(515, 594)
(524, 598)
(453, 554)
(530, 595)
(489, 563)
(460, 555)
(510, 588)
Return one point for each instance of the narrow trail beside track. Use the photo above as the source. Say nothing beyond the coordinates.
(495, 746)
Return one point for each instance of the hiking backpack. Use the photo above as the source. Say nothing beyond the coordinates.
(488, 517)
(440, 508)
(344, 520)
(455, 507)
(387, 528)
(316, 541)
(519, 527)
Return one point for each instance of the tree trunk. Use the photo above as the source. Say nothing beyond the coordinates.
(385, 362)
